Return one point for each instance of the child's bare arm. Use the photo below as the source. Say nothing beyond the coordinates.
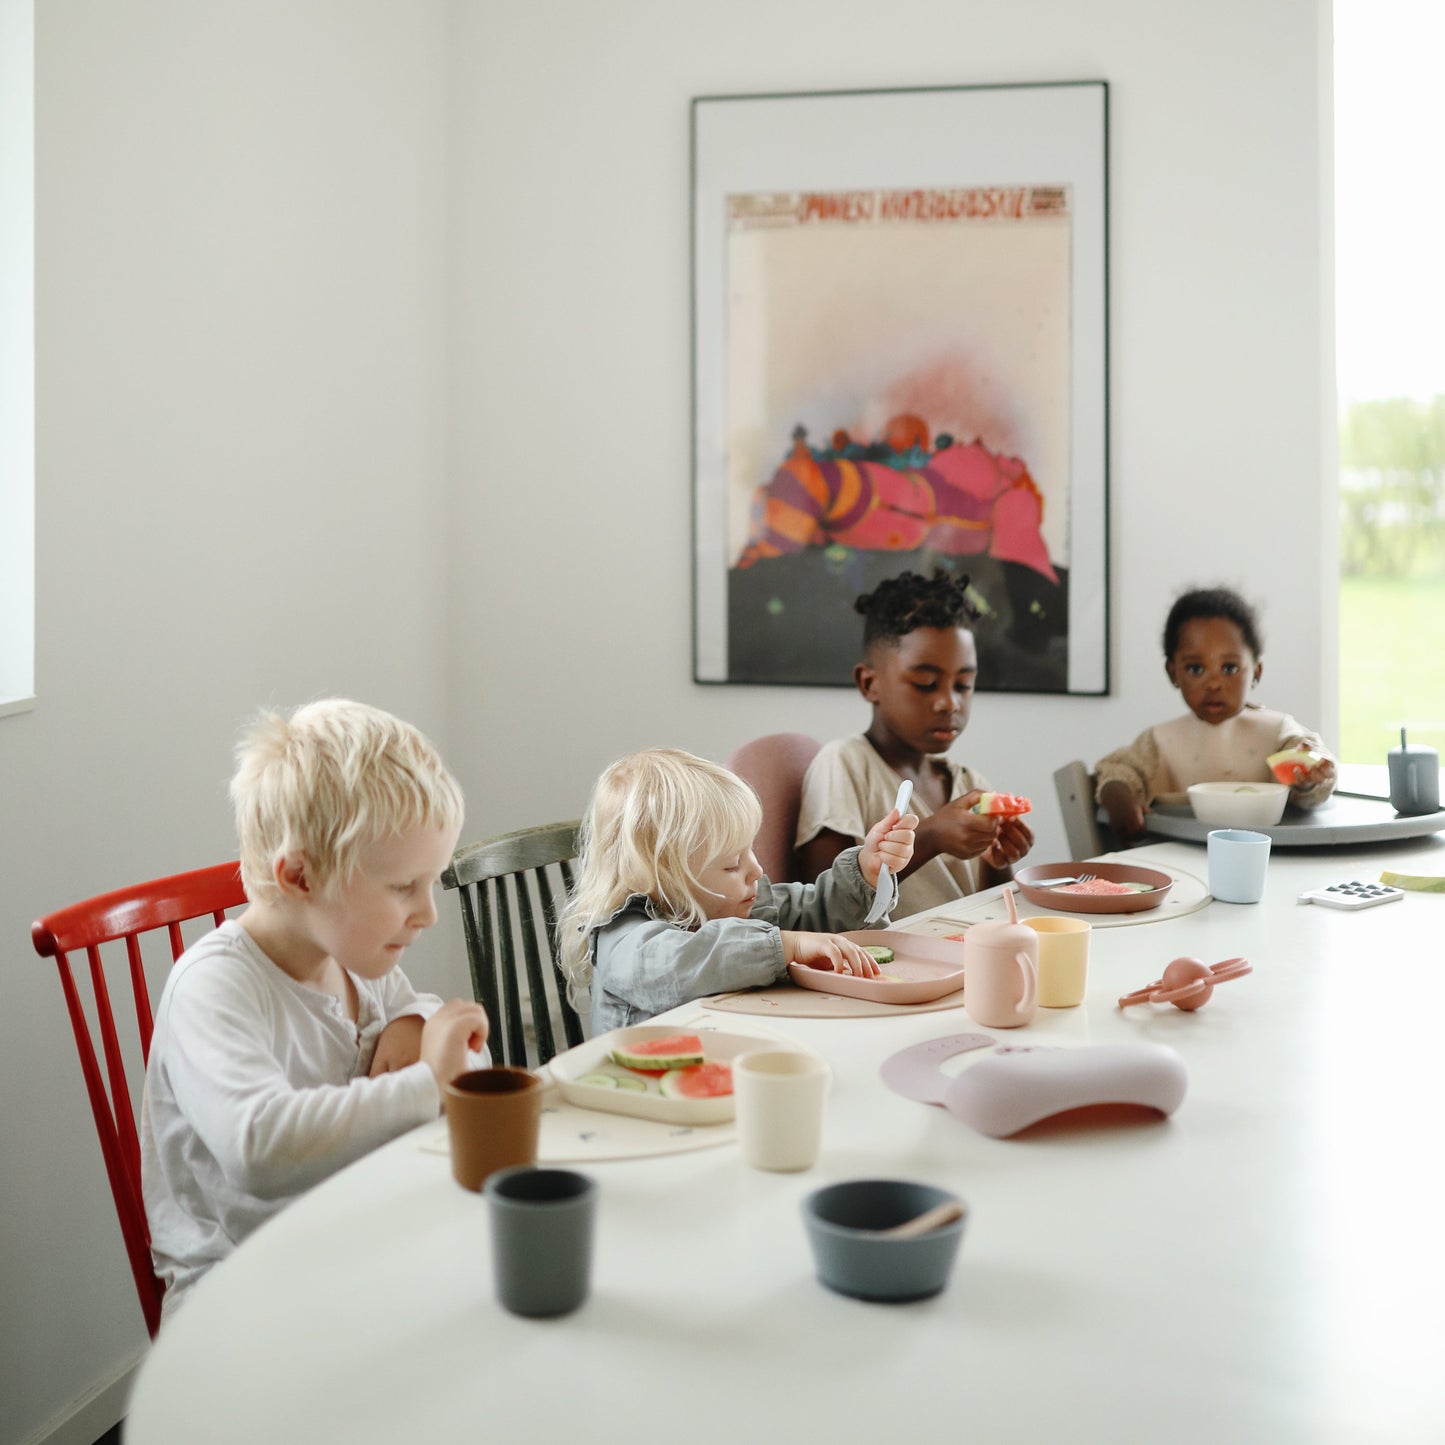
(399, 1045)
(889, 841)
(457, 1026)
(828, 952)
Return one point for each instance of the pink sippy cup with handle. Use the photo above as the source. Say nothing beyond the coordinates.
(1001, 971)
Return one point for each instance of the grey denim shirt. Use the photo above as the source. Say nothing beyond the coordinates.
(643, 965)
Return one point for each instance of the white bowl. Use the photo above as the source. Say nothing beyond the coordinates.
(1239, 805)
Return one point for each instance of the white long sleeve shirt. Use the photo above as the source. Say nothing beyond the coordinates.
(255, 1090)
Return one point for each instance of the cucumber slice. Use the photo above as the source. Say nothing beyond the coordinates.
(630, 1084)
(601, 1081)
(878, 952)
(1419, 882)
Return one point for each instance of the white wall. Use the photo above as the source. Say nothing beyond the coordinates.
(241, 361)
(382, 311)
(570, 570)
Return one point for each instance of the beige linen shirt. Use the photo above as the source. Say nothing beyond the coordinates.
(848, 788)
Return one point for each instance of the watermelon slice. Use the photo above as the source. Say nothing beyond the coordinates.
(1289, 766)
(1002, 805)
(701, 1081)
(1101, 887)
(659, 1056)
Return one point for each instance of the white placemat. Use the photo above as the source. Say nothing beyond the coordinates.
(1188, 895)
(572, 1135)
(787, 1000)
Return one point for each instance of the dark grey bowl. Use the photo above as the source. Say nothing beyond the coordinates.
(842, 1222)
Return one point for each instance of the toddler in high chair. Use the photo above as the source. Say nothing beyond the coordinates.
(1213, 653)
(670, 904)
(288, 1042)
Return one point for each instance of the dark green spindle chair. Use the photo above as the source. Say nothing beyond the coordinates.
(511, 889)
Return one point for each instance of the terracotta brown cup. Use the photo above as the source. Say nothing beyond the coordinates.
(494, 1117)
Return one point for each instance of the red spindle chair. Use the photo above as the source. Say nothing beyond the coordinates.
(164, 903)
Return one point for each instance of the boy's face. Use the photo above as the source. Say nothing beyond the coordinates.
(368, 921)
(1213, 668)
(730, 884)
(922, 689)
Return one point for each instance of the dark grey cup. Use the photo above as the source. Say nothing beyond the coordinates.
(542, 1227)
(843, 1220)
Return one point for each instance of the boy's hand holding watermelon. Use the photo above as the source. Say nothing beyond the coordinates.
(998, 839)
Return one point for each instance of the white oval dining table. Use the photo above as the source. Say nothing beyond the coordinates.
(1267, 1264)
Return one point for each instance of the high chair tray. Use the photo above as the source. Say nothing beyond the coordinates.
(1342, 819)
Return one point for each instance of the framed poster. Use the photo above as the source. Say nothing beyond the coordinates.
(900, 362)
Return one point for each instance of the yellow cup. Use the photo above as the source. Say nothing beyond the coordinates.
(1063, 960)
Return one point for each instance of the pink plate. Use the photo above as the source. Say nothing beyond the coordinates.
(1033, 884)
(922, 970)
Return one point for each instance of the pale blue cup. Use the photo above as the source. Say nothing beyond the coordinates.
(1238, 862)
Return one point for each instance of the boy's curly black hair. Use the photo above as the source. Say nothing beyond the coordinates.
(1208, 602)
(907, 602)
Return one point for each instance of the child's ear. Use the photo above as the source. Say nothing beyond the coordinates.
(289, 872)
(864, 678)
(1258, 672)
(1169, 670)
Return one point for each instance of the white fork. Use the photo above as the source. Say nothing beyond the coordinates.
(882, 895)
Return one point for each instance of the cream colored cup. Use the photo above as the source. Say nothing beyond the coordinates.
(1063, 960)
(778, 1100)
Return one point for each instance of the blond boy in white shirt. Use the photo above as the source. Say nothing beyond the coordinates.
(288, 1042)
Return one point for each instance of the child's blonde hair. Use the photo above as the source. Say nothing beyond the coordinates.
(328, 780)
(656, 819)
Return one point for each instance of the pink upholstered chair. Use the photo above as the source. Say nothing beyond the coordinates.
(775, 765)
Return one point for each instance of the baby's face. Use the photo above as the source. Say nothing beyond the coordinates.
(730, 885)
(1214, 668)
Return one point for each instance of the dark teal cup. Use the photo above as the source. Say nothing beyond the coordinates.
(542, 1222)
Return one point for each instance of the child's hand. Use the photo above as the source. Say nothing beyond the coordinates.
(1015, 838)
(889, 841)
(1126, 812)
(828, 952)
(399, 1045)
(458, 1025)
(957, 831)
(1318, 772)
